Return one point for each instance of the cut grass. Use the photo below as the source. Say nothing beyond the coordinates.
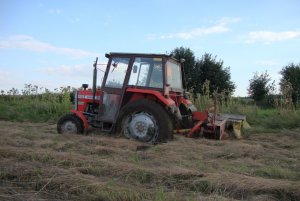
(39, 164)
(277, 172)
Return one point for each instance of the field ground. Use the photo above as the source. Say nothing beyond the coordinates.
(36, 163)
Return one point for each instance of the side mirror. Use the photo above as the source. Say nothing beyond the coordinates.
(135, 68)
(115, 65)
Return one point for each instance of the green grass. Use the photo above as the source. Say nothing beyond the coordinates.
(36, 104)
(275, 119)
(35, 107)
(261, 118)
(160, 195)
(277, 172)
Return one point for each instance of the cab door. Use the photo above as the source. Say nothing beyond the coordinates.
(113, 88)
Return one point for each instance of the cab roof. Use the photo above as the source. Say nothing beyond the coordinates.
(107, 55)
(137, 54)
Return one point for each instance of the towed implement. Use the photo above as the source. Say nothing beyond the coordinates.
(142, 97)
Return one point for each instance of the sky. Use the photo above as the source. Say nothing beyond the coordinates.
(53, 43)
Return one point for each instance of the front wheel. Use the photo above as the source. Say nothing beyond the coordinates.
(145, 121)
(70, 123)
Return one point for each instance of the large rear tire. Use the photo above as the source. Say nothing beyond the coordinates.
(146, 121)
(70, 123)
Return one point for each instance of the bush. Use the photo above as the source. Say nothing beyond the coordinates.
(34, 104)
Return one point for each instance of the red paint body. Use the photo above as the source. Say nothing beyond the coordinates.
(86, 96)
(149, 94)
(82, 117)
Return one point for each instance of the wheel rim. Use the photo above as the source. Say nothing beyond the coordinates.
(69, 127)
(141, 126)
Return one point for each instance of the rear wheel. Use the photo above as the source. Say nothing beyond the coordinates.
(145, 121)
(70, 123)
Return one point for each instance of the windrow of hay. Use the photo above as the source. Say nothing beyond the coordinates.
(36, 164)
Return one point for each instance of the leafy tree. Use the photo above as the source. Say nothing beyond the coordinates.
(286, 89)
(189, 64)
(291, 74)
(259, 86)
(211, 69)
(198, 72)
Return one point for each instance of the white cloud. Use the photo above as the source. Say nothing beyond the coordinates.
(6, 81)
(70, 71)
(55, 77)
(74, 20)
(196, 32)
(228, 20)
(221, 26)
(79, 70)
(29, 43)
(56, 11)
(107, 20)
(269, 62)
(76, 75)
(269, 36)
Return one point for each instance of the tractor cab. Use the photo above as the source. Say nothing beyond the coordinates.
(144, 71)
(129, 77)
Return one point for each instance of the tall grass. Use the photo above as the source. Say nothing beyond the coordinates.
(33, 103)
(278, 114)
(38, 104)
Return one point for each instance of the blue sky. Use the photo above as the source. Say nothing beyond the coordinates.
(53, 43)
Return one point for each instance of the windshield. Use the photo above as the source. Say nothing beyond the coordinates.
(174, 75)
(117, 72)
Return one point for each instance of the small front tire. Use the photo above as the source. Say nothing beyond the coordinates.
(70, 124)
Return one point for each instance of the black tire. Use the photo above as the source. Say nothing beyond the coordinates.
(73, 121)
(152, 109)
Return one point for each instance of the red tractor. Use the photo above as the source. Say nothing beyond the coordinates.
(142, 97)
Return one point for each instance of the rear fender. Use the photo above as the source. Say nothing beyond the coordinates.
(182, 100)
(186, 106)
(144, 93)
(82, 117)
(153, 95)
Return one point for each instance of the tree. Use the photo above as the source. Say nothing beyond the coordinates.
(211, 69)
(291, 74)
(197, 72)
(259, 86)
(189, 64)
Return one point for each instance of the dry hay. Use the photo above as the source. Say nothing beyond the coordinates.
(38, 164)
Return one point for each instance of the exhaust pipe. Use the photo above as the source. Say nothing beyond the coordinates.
(95, 83)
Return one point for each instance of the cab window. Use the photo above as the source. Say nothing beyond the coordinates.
(117, 72)
(174, 75)
(147, 72)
